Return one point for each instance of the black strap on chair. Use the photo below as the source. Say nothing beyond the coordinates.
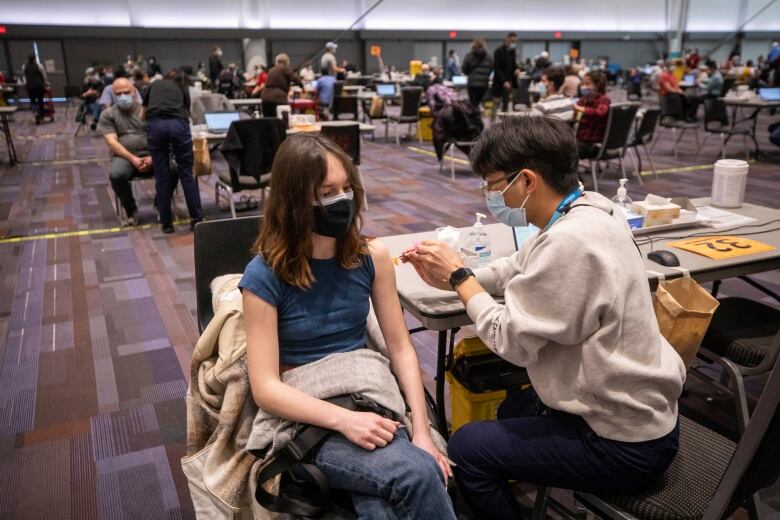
(304, 490)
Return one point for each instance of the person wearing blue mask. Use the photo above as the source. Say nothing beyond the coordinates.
(577, 313)
(592, 111)
(122, 128)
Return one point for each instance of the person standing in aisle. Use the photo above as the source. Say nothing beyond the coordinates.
(166, 110)
(477, 65)
(215, 65)
(280, 77)
(35, 80)
(505, 70)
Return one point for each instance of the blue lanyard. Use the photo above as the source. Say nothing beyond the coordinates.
(563, 206)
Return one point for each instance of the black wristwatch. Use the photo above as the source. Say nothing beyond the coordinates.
(459, 276)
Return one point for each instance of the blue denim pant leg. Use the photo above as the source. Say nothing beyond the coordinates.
(558, 450)
(397, 481)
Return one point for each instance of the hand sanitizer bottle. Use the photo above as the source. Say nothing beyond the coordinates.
(622, 199)
(477, 245)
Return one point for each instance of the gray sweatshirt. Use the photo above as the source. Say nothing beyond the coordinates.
(579, 316)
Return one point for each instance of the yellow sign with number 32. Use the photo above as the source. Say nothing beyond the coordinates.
(722, 247)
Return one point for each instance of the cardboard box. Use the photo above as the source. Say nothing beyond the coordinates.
(656, 214)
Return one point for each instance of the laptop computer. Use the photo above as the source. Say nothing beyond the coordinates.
(219, 122)
(523, 233)
(689, 78)
(385, 89)
(460, 81)
(769, 94)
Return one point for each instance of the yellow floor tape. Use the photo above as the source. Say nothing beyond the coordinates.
(679, 169)
(84, 232)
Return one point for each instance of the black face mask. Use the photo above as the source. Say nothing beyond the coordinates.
(334, 219)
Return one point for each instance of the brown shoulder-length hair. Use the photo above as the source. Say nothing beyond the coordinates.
(298, 171)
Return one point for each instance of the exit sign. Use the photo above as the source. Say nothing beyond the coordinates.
(557, 35)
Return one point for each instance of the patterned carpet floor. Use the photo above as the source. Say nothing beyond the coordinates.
(97, 321)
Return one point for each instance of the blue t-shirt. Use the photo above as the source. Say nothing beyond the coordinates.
(327, 318)
(325, 88)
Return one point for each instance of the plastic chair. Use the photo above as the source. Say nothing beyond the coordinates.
(620, 122)
(221, 247)
(672, 116)
(347, 136)
(716, 121)
(644, 135)
(520, 95)
(744, 339)
(710, 478)
(345, 105)
(257, 159)
(410, 107)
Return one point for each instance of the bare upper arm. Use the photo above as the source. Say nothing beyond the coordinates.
(384, 296)
(262, 341)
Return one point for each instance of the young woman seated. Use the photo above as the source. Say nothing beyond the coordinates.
(306, 296)
(594, 107)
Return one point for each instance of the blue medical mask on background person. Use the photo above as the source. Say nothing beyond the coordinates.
(497, 206)
(513, 46)
(124, 101)
(334, 217)
(586, 91)
(542, 89)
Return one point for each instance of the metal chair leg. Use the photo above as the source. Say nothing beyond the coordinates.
(595, 178)
(452, 161)
(540, 504)
(443, 156)
(701, 147)
(650, 158)
(722, 145)
(397, 134)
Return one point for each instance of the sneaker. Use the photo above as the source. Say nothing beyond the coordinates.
(132, 219)
(168, 228)
(194, 221)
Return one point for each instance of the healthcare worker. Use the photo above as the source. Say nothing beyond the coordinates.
(602, 415)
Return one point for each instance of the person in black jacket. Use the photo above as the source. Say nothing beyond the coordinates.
(35, 80)
(215, 65)
(477, 65)
(166, 109)
(505, 71)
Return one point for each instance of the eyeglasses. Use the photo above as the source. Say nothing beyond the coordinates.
(486, 187)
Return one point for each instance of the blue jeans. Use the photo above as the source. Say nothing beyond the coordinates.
(166, 135)
(397, 481)
(558, 450)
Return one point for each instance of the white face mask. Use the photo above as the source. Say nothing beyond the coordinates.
(497, 206)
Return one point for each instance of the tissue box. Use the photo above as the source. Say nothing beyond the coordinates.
(634, 220)
(656, 214)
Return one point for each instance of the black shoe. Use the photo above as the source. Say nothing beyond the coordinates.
(93, 126)
(168, 228)
(194, 221)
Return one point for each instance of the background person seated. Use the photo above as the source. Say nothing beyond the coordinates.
(553, 103)
(571, 84)
(669, 86)
(90, 94)
(593, 110)
(123, 130)
(325, 87)
(108, 97)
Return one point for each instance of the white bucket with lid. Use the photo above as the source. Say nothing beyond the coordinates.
(728, 183)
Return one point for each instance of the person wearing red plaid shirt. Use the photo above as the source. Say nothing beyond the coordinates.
(592, 110)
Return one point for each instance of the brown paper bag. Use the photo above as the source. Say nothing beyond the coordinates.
(202, 162)
(377, 107)
(684, 311)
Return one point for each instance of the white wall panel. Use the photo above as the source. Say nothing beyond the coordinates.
(496, 15)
